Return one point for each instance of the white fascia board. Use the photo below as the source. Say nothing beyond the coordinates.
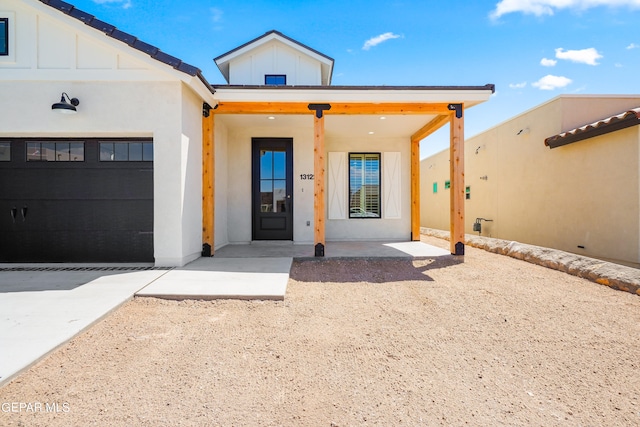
(468, 97)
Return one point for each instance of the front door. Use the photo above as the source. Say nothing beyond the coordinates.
(272, 188)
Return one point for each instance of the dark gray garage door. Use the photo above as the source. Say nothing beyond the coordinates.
(80, 200)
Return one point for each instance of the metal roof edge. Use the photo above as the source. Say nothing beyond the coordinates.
(486, 87)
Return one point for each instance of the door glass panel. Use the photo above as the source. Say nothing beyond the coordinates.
(279, 164)
(266, 195)
(106, 151)
(5, 151)
(266, 164)
(280, 195)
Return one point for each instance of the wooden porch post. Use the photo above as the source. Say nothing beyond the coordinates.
(415, 190)
(456, 169)
(318, 192)
(208, 184)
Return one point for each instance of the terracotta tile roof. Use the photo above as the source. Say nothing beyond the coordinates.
(610, 124)
(126, 38)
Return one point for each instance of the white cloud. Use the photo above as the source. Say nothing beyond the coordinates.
(546, 62)
(633, 46)
(517, 85)
(374, 41)
(125, 4)
(551, 82)
(216, 14)
(548, 7)
(584, 56)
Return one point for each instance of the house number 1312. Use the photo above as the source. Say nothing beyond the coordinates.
(306, 176)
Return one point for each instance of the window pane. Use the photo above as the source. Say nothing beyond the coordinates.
(266, 164)
(106, 151)
(48, 151)
(364, 186)
(5, 151)
(135, 152)
(76, 152)
(4, 36)
(62, 151)
(34, 152)
(121, 152)
(275, 79)
(147, 152)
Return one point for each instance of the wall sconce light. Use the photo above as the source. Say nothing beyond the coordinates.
(65, 107)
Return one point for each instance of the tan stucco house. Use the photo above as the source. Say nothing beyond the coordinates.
(563, 175)
(158, 165)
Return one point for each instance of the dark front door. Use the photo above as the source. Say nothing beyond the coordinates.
(272, 188)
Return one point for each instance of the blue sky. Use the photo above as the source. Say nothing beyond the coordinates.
(532, 50)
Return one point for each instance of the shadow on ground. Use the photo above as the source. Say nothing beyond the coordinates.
(372, 270)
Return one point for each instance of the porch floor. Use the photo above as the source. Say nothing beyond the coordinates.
(260, 270)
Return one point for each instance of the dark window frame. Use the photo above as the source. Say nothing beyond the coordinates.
(128, 143)
(367, 214)
(4, 49)
(55, 143)
(276, 77)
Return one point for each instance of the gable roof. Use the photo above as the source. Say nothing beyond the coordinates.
(128, 39)
(610, 124)
(223, 60)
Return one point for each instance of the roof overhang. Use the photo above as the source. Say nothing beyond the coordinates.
(387, 111)
(601, 127)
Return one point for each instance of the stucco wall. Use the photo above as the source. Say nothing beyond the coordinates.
(239, 180)
(375, 228)
(583, 194)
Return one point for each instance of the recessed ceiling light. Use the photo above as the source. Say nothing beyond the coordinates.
(371, 133)
(271, 118)
(383, 118)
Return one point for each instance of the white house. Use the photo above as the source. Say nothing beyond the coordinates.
(158, 165)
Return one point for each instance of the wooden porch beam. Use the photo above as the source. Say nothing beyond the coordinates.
(318, 192)
(457, 191)
(336, 108)
(208, 185)
(431, 127)
(415, 190)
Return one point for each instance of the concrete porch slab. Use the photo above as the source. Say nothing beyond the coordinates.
(232, 278)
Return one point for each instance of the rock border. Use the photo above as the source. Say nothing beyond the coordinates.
(605, 273)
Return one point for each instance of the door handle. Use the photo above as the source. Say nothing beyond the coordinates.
(24, 213)
(14, 212)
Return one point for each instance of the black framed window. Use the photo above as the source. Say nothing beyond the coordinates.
(364, 185)
(4, 36)
(5, 151)
(275, 79)
(67, 151)
(123, 151)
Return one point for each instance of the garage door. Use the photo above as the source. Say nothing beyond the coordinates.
(80, 200)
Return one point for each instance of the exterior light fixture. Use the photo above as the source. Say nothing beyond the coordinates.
(67, 106)
(271, 118)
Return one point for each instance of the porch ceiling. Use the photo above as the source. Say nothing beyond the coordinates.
(344, 126)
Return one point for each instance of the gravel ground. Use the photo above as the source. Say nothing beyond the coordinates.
(485, 342)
